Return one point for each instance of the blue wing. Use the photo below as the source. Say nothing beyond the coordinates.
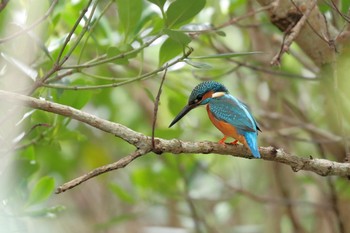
(229, 109)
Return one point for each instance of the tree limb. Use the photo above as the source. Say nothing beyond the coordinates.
(143, 143)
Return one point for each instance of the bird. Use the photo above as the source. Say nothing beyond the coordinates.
(231, 116)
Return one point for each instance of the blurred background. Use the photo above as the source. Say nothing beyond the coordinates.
(107, 58)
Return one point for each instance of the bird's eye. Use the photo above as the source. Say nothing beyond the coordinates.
(199, 98)
(196, 100)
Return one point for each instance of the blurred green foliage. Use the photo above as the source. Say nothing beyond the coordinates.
(116, 55)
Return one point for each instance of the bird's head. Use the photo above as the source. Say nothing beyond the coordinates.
(201, 95)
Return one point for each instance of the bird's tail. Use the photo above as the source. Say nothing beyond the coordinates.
(252, 142)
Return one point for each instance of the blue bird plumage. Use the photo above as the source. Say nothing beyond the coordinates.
(232, 117)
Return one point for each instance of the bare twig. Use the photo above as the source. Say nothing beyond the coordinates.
(104, 59)
(156, 103)
(260, 68)
(143, 143)
(82, 14)
(249, 14)
(335, 7)
(292, 34)
(325, 38)
(101, 170)
(130, 80)
(92, 27)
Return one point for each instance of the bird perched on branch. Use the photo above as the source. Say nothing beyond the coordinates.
(228, 114)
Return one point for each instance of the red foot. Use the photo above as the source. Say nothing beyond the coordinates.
(235, 142)
(222, 141)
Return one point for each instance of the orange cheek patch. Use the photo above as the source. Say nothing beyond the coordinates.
(207, 95)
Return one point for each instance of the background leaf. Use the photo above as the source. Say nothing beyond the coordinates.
(159, 3)
(129, 15)
(180, 11)
(178, 36)
(169, 50)
(42, 190)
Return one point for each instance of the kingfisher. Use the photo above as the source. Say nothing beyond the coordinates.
(232, 117)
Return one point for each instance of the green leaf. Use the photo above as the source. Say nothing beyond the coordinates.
(226, 55)
(345, 6)
(199, 65)
(121, 193)
(114, 51)
(178, 36)
(180, 11)
(129, 14)
(159, 3)
(29, 153)
(26, 166)
(172, 46)
(149, 94)
(220, 33)
(169, 50)
(75, 99)
(42, 190)
(45, 212)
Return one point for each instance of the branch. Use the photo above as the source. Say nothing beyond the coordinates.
(156, 103)
(292, 34)
(143, 143)
(100, 170)
(129, 80)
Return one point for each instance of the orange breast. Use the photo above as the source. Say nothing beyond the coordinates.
(227, 129)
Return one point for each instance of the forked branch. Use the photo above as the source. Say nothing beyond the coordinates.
(143, 144)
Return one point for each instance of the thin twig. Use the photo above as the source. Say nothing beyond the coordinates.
(329, 42)
(260, 68)
(230, 22)
(249, 14)
(292, 34)
(101, 170)
(59, 63)
(92, 27)
(104, 59)
(36, 23)
(110, 85)
(335, 7)
(156, 103)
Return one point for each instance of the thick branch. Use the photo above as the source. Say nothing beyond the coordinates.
(143, 143)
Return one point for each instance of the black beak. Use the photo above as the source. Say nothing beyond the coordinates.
(183, 112)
